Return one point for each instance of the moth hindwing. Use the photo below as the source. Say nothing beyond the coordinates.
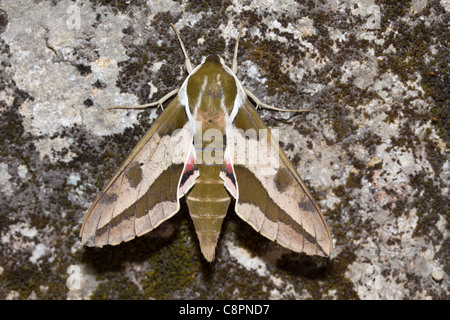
(210, 146)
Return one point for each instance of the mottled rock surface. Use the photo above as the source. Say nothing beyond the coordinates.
(373, 149)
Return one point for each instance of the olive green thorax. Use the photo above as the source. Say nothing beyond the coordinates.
(211, 92)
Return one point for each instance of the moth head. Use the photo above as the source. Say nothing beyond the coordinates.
(213, 58)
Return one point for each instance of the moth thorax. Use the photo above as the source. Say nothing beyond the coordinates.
(211, 89)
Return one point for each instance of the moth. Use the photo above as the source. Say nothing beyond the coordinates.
(204, 147)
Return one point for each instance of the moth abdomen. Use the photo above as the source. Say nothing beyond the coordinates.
(208, 203)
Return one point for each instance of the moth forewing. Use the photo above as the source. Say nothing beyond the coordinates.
(144, 191)
(278, 205)
(254, 148)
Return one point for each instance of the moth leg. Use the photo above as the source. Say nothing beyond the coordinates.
(188, 62)
(234, 65)
(158, 103)
(264, 105)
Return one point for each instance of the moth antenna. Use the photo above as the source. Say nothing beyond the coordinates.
(234, 65)
(188, 62)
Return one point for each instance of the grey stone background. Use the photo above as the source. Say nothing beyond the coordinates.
(373, 149)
